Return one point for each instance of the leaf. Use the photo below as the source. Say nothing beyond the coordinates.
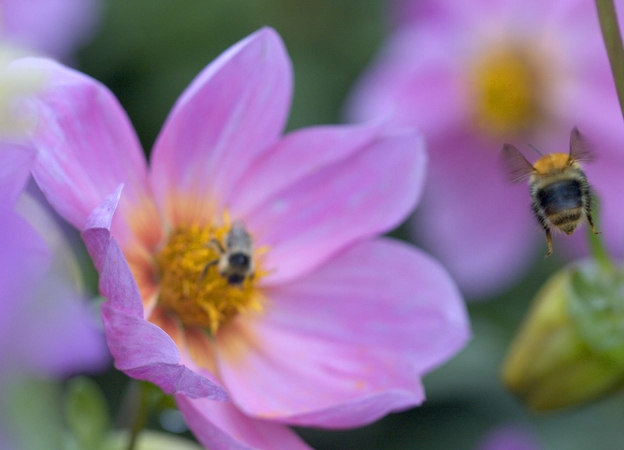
(86, 412)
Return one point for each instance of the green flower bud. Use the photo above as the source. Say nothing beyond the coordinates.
(570, 349)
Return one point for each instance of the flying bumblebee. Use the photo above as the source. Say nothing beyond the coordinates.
(235, 263)
(559, 188)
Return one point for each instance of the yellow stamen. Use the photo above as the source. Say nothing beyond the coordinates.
(194, 290)
(506, 89)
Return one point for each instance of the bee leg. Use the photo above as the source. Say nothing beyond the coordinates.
(545, 225)
(206, 267)
(216, 245)
(591, 221)
(549, 242)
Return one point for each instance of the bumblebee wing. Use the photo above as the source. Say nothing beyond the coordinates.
(580, 148)
(518, 168)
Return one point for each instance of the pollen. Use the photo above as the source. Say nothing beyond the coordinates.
(192, 287)
(506, 88)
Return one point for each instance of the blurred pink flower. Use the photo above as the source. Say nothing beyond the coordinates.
(473, 75)
(337, 326)
(509, 437)
(46, 328)
(54, 27)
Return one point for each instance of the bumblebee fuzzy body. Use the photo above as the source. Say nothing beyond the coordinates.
(560, 192)
(235, 263)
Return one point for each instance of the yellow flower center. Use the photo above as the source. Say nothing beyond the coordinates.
(506, 88)
(192, 282)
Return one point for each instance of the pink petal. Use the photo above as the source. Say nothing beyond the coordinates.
(60, 334)
(221, 426)
(86, 148)
(523, 14)
(348, 343)
(45, 327)
(227, 117)
(297, 155)
(25, 256)
(140, 348)
(116, 281)
(509, 437)
(366, 194)
(55, 27)
(144, 351)
(480, 226)
(275, 373)
(15, 164)
(424, 87)
(96, 233)
(377, 293)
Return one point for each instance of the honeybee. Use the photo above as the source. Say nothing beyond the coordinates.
(559, 188)
(235, 263)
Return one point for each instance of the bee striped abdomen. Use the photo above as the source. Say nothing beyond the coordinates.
(560, 196)
(567, 220)
(561, 203)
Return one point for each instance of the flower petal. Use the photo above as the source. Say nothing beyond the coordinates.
(401, 81)
(299, 154)
(60, 335)
(368, 193)
(55, 27)
(86, 148)
(24, 257)
(45, 327)
(96, 233)
(509, 436)
(140, 348)
(144, 351)
(221, 426)
(348, 343)
(478, 225)
(16, 162)
(229, 115)
(276, 373)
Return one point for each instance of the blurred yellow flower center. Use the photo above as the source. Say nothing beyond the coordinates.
(505, 88)
(192, 284)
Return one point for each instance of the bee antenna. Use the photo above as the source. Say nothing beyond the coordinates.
(535, 148)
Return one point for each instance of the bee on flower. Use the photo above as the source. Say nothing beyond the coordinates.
(235, 262)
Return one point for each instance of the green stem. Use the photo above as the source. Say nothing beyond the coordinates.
(613, 42)
(140, 419)
(599, 251)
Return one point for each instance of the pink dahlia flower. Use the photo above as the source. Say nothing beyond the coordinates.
(474, 75)
(245, 262)
(53, 27)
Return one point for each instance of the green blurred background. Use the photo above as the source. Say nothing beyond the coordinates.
(147, 52)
